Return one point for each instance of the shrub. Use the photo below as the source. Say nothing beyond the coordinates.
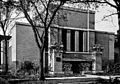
(28, 70)
(3, 81)
(67, 67)
(114, 69)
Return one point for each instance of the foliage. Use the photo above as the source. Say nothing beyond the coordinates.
(67, 67)
(27, 65)
(28, 70)
(114, 69)
(83, 66)
(3, 81)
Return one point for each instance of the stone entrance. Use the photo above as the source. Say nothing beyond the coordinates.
(76, 67)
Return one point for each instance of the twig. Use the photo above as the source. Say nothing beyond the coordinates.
(109, 15)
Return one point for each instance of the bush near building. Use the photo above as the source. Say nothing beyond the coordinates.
(3, 81)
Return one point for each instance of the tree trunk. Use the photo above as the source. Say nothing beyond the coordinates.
(42, 55)
(42, 76)
(6, 57)
(118, 44)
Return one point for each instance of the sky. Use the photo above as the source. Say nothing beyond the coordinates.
(109, 24)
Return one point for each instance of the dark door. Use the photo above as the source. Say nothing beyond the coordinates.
(75, 67)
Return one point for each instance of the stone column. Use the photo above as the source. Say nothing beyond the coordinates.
(53, 62)
(68, 40)
(94, 62)
(97, 61)
(77, 41)
(49, 50)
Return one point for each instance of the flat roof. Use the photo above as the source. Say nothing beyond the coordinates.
(77, 9)
(2, 37)
(70, 28)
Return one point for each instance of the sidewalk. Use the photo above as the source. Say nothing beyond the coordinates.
(103, 77)
(86, 76)
(61, 80)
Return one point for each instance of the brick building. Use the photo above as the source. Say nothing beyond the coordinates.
(76, 30)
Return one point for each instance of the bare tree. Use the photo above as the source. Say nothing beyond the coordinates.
(43, 16)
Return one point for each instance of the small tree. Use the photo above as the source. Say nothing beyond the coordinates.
(6, 18)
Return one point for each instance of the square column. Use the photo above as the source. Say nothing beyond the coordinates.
(68, 40)
(77, 41)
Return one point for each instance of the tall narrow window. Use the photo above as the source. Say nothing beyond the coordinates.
(64, 38)
(68, 40)
(72, 40)
(81, 41)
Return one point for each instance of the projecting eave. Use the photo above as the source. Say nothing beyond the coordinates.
(77, 9)
(2, 37)
(82, 29)
(27, 24)
(70, 28)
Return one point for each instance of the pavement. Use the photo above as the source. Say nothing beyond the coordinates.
(86, 76)
(103, 77)
(84, 79)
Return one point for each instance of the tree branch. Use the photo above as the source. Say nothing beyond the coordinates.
(54, 14)
(109, 15)
(38, 12)
(110, 4)
(43, 4)
(47, 12)
(117, 2)
(2, 26)
(95, 1)
(88, 1)
(12, 19)
(31, 22)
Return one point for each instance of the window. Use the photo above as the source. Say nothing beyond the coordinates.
(72, 40)
(64, 38)
(80, 41)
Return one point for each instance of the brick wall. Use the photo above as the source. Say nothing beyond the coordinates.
(75, 18)
(26, 47)
(103, 39)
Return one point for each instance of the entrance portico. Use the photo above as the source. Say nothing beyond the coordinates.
(75, 62)
(79, 61)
